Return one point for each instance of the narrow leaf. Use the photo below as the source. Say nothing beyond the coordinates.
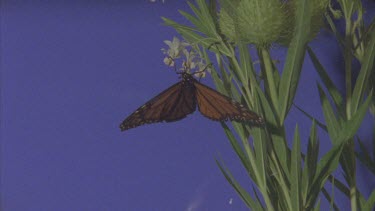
(329, 199)
(325, 167)
(238, 149)
(370, 204)
(310, 162)
(321, 125)
(240, 190)
(295, 179)
(365, 158)
(332, 124)
(312, 152)
(296, 53)
(332, 89)
(317, 206)
(277, 134)
(351, 126)
(364, 73)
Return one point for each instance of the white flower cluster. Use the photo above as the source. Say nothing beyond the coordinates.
(191, 61)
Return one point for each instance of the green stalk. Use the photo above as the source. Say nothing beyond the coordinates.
(348, 73)
(353, 196)
(353, 184)
(348, 67)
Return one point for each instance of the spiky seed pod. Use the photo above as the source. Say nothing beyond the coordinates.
(317, 19)
(262, 22)
(258, 22)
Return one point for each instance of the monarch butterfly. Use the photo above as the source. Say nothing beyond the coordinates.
(181, 99)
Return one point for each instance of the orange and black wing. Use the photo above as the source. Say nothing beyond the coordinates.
(173, 104)
(219, 107)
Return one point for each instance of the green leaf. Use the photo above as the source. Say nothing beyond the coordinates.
(329, 198)
(296, 53)
(277, 134)
(317, 206)
(257, 196)
(365, 158)
(268, 73)
(261, 157)
(295, 173)
(203, 14)
(226, 78)
(217, 81)
(321, 125)
(350, 127)
(333, 125)
(240, 190)
(334, 30)
(339, 185)
(246, 64)
(238, 149)
(195, 21)
(267, 111)
(332, 89)
(203, 25)
(370, 204)
(332, 197)
(276, 75)
(364, 74)
(361, 201)
(189, 33)
(311, 161)
(325, 167)
(312, 153)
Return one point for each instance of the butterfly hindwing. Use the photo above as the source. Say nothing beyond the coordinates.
(219, 107)
(173, 104)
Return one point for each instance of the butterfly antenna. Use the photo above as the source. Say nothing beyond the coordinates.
(201, 71)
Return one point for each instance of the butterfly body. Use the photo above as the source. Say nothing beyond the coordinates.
(182, 98)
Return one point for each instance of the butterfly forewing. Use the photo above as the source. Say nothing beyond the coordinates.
(173, 104)
(219, 107)
(151, 111)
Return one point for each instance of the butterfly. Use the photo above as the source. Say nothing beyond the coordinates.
(182, 98)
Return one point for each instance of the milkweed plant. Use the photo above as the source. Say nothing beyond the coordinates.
(286, 178)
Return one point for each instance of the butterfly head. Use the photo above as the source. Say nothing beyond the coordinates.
(187, 78)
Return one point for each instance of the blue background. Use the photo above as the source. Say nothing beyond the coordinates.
(72, 71)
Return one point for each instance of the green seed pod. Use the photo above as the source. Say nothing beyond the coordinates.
(258, 22)
(317, 19)
(262, 22)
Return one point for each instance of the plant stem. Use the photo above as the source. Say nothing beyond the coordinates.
(348, 82)
(353, 201)
(348, 67)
